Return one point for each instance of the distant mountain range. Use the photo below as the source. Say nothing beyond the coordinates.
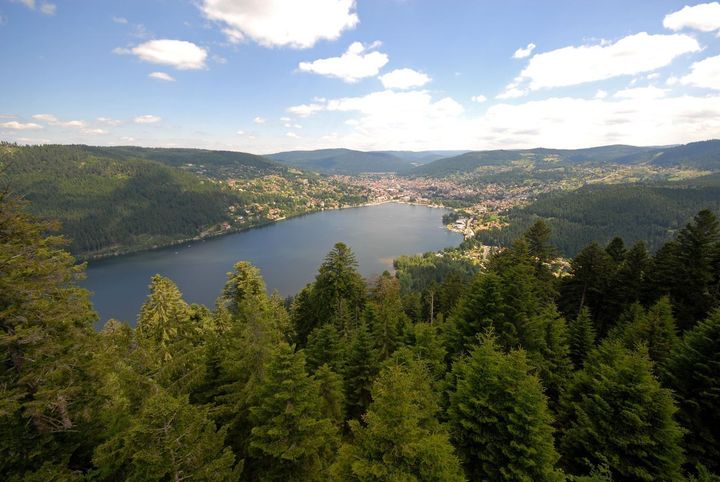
(699, 155)
(703, 155)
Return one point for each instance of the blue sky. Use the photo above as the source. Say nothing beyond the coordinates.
(269, 75)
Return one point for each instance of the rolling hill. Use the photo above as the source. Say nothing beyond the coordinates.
(342, 161)
(703, 155)
(597, 212)
(472, 160)
(112, 203)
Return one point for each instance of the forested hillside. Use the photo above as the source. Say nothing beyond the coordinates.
(651, 213)
(215, 163)
(440, 373)
(703, 155)
(342, 161)
(109, 203)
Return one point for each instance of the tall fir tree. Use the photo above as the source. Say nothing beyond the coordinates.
(169, 439)
(655, 329)
(361, 366)
(615, 413)
(693, 372)
(164, 317)
(290, 438)
(501, 424)
(582, 337)
(402, 439)
(47, 342)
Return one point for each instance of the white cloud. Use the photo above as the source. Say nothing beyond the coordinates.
(356, 63)
(181, 54)
(109, 121)
(512, 92)
(259, 120)
(704, 17)
(601, 94)
(304, 110)
(20, 126)
(44, 7)
(49, 118)
(653, 76)
(147, 119)
(48, 8)
(648, 92)
(478, 98)
(572, 65)
(276, 23)
(240, 133)
(293, 135)
(120, 20)
(75, 124)
(704, 73)
(522, 53)
(285, 119)
(162, 76)
(404, 79)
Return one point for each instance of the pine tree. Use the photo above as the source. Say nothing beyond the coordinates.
(46, 340)
(693, 372)
(324, 346)
(290, 438)
(551, 353)
(482, 307)
(692, 292)
(582, 337)
(244, 293)
(615, 413)
(169, 439)
(385, 315)
(330, 385)
(500, 421)
(338, 286)
(616, 249)
(164, 317)
(402, 439)
(361, 366)
(591, 274)
(654, 329)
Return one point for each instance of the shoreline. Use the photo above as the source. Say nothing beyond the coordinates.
(197, 238)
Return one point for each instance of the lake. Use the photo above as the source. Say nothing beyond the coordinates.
(288, 254)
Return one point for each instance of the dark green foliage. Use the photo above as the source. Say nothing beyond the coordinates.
(168, 440)
(598, 212)
(581, 337)
(615, 412)
(654, 329)
(589, 283)
(402, 439)
(46, 387)
(361, 366)
(291, 439)
(500, 421)
(324, 346)
(693, 372)
(106, 203)
(344, 161)
(330, 386)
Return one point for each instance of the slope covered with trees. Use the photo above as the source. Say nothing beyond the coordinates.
(342, 161)
(107, 203)
(606, 373)
(651, 213)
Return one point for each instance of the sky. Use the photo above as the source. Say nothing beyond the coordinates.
(265, 76)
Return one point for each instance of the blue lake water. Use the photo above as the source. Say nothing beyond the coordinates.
(288, 254)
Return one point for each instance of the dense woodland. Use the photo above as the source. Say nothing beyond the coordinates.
(652, 213)
(440, 373)
(119, 199)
